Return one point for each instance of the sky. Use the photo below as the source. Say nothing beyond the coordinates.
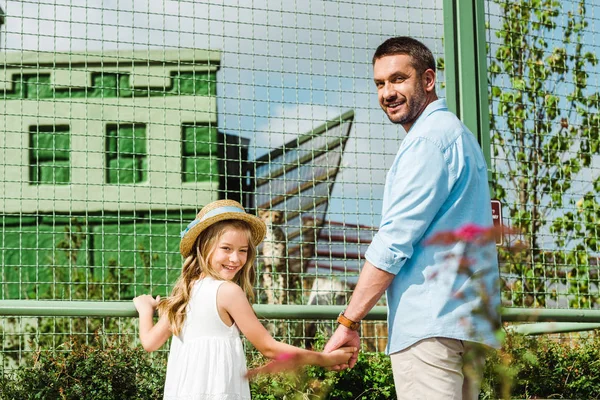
(286, 66)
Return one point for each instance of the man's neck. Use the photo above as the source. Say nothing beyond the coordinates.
(430, 99)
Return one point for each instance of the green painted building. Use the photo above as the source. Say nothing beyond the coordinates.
(104, 160)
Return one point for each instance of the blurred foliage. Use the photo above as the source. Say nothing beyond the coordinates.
(548, 367)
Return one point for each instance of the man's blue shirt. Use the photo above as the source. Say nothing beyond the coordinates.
(438, 182)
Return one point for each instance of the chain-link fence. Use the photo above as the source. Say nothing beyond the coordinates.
(123, 118)
(544, 96)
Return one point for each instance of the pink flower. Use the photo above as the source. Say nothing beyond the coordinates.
(284, 357)
(470, 232)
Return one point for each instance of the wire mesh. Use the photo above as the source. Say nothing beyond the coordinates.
(122, 119)
(544, 87)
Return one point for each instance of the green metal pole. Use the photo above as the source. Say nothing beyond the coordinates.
(466, 67)
(549, 315)
(451, 57)
(542, 328)
(59, 308)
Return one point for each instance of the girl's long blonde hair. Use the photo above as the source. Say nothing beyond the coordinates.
(197, 265)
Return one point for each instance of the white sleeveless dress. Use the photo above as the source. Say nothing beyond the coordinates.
(207, 360)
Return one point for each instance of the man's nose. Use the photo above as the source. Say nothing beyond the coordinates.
(388, 90)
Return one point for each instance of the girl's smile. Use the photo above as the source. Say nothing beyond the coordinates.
(230, 254)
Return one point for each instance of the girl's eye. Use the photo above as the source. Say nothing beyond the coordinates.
(225, 248)
(244, 250)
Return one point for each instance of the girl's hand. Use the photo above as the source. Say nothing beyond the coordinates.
(340, 357)
(343, 337)
(152, 336)
(283, 363)
(146, 304)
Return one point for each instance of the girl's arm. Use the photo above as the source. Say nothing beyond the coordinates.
(152, 336)
(232, 299)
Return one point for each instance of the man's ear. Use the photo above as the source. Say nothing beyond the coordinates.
(429, 80)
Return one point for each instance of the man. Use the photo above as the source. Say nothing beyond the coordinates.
(437, 183)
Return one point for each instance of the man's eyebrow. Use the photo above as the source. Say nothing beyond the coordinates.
(399, 74)
(393, 76)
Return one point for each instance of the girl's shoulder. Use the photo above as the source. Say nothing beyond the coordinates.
(230, 295)
(223, 286)
(229, 287)
(206, 284)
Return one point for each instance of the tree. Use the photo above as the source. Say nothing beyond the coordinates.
(545, 136)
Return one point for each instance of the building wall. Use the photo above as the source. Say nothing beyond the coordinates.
(105, 159)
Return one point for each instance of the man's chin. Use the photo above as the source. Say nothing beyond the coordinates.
(395, 118)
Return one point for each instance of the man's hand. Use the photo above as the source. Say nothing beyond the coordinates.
(343, 337)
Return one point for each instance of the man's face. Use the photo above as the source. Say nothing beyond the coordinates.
(400, 89)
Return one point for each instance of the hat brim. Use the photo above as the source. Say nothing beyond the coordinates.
(257, 226)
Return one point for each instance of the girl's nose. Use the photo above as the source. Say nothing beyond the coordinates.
(234, 257)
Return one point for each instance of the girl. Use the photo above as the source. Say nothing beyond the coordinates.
(209, 306)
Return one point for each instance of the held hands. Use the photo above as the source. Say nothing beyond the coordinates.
(339, 357)
(341, 338)
(290, 362)
(146, 304)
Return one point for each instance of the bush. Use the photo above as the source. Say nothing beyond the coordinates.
(545, 367)
(370, 379)
(527, 367)
(105, 369)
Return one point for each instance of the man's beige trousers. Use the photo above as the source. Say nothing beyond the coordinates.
(438, 369)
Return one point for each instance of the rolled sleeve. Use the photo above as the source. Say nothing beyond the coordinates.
(383, 257)
(417, 186)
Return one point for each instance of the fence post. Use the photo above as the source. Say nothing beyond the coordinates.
(466, 67)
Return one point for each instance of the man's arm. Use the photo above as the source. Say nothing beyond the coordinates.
(420, 178)
(372, 283)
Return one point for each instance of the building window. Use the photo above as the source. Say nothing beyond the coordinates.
(49, 154)
(199, 153)
(126, 155)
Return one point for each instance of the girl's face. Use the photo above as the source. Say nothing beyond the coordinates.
(230, 254)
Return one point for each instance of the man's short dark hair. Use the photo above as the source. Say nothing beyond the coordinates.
(422, 58)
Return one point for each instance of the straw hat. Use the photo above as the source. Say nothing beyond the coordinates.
(218, 211)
